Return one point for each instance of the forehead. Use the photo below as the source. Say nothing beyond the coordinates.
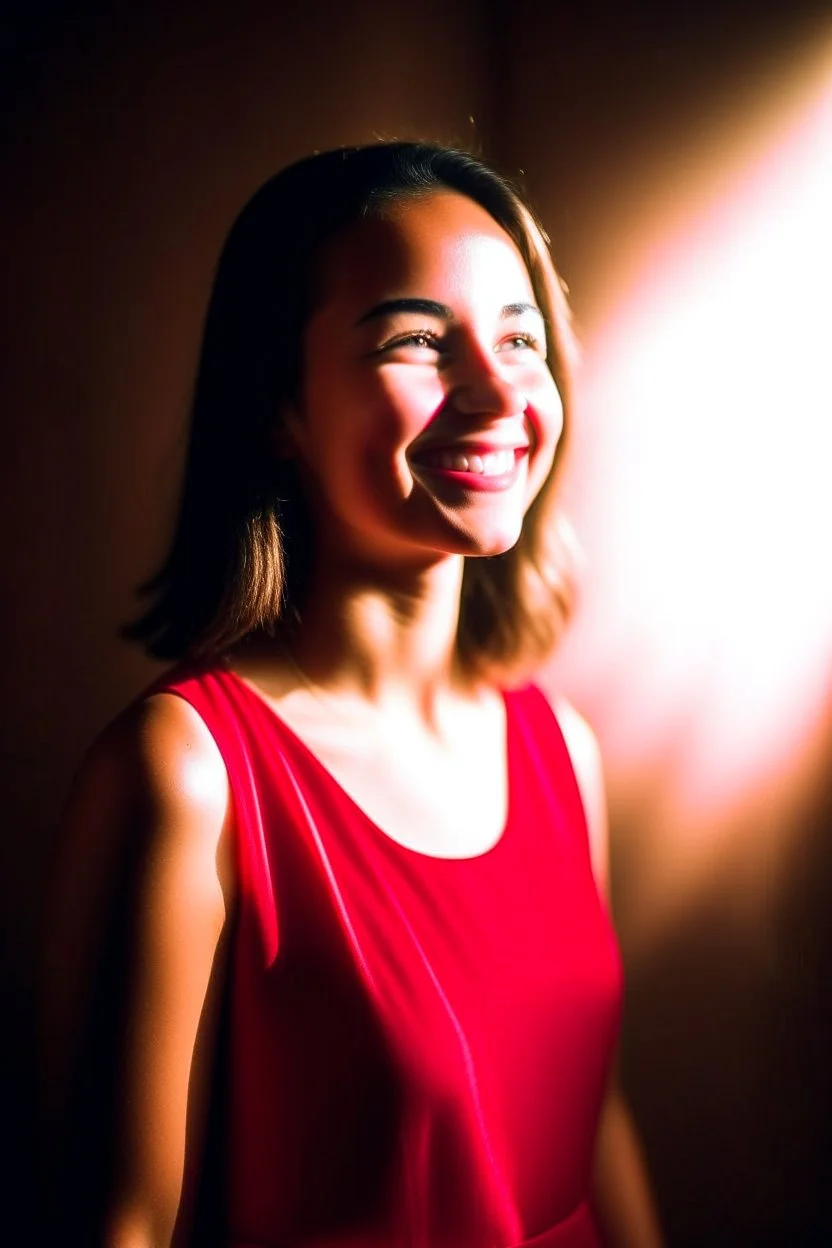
(440, 245)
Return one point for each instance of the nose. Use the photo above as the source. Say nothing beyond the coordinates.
(481, 388)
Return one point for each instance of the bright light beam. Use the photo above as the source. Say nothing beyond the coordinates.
(705, 637)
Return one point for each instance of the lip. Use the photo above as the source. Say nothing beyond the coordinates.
(465, 447)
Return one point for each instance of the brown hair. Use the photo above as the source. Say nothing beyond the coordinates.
(240, 551)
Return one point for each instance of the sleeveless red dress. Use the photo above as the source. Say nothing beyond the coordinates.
(418, 1046)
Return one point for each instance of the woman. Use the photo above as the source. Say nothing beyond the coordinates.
(355, 893)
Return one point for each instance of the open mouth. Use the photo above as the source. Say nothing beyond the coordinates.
(473, 470)
(474, 463)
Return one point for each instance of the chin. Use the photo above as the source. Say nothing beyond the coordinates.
(486, 546)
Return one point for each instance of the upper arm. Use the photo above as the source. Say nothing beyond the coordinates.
(135, 927)
(589, 773)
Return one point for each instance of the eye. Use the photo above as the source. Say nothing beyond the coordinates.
(420, 339)
(520, 342)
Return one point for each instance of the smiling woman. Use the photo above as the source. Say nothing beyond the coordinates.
(344, 863)
(397, 384)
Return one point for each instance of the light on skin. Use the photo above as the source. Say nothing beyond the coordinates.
(427, 336)
(426, 342)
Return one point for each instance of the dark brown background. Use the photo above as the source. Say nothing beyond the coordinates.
(133, 135)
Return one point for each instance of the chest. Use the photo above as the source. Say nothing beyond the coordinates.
(446, 796)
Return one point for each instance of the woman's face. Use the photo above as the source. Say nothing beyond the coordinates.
(428, 417)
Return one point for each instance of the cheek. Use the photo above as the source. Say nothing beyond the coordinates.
(545, 416)
(399, 408)
(545, 413)
(408, 400)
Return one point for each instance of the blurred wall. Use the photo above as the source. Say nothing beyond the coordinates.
(135, 133)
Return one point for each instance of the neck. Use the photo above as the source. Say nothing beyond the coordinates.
(381, 639)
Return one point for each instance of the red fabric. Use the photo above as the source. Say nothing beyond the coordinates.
(419, 1046)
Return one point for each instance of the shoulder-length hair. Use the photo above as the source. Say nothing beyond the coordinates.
(240, 549)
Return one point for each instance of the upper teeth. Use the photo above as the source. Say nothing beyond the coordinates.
(492, 464)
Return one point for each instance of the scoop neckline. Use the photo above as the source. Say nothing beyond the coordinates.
(309, 754)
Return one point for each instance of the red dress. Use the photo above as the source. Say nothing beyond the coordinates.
(418, 1046)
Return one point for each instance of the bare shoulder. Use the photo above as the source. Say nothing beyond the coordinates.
(587, 764)
(152, 793)
(580, 740)
(158, 765)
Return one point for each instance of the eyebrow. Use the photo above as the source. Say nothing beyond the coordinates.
(441, 311)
